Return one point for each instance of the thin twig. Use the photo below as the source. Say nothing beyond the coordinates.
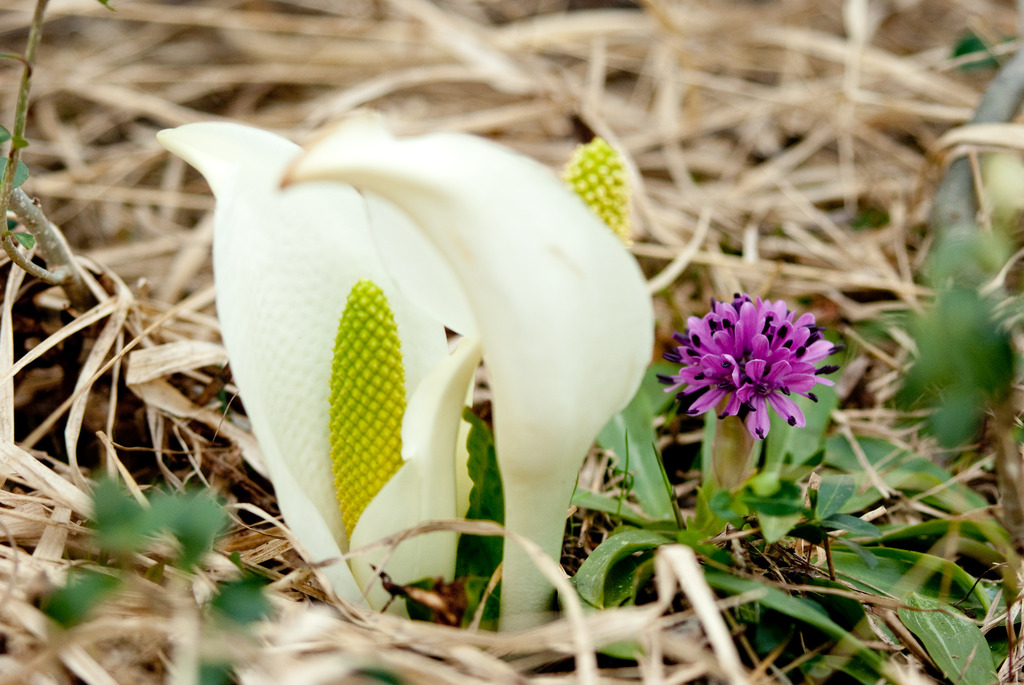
(61, 267)
(54, 249)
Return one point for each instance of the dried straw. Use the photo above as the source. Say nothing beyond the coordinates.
(756, 134)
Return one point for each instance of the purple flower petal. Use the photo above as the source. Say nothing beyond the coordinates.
(754, 353)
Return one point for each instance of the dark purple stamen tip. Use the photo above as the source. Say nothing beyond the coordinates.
(827, 369)
(667, 380)
(812, 397)
(791, 420)
(800, 351)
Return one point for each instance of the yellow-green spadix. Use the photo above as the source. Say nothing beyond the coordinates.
(456, 232)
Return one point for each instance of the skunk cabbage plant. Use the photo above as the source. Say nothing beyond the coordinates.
(338, 270)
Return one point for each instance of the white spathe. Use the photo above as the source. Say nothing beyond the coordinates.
(560, 306)
(456, 231)
(284, 263)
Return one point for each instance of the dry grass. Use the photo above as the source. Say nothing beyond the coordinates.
(757, 133)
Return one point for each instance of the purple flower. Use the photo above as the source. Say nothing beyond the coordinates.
(752, 354)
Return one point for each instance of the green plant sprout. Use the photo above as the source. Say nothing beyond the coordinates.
(125, 527)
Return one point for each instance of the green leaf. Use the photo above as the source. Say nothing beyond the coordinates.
(585, 499)
(242, 601)
(855, 526)
(833, 493)
(900, 470)
(801, 609)
(792, 445)
(627, 577)
(215, 672)
(954, 642)
(774, 528)
(727, 506)
(598, 569)
(971, 43)
(5, 135)
(630, 435)
(480, 555)
(20, 171)
(965, 362)
(979, 540)
(84, 591)
(27, 240)
(122, 524)
(899, 572)
(194, 518)
(787, 500)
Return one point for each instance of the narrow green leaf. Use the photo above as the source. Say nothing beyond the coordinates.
(864, 553)
(800, 609)
(983, 541)
(585, 499)
(900, 470)
(953, 641)
(899, 572)
(855, 526)
(593, 575)
(5, 135)
(833, 493)
(631, 432)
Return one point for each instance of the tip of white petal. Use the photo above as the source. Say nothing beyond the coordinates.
(363, 127)
(219, 149)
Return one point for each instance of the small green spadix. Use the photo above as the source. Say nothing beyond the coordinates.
(596, 173)
(367, 400)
